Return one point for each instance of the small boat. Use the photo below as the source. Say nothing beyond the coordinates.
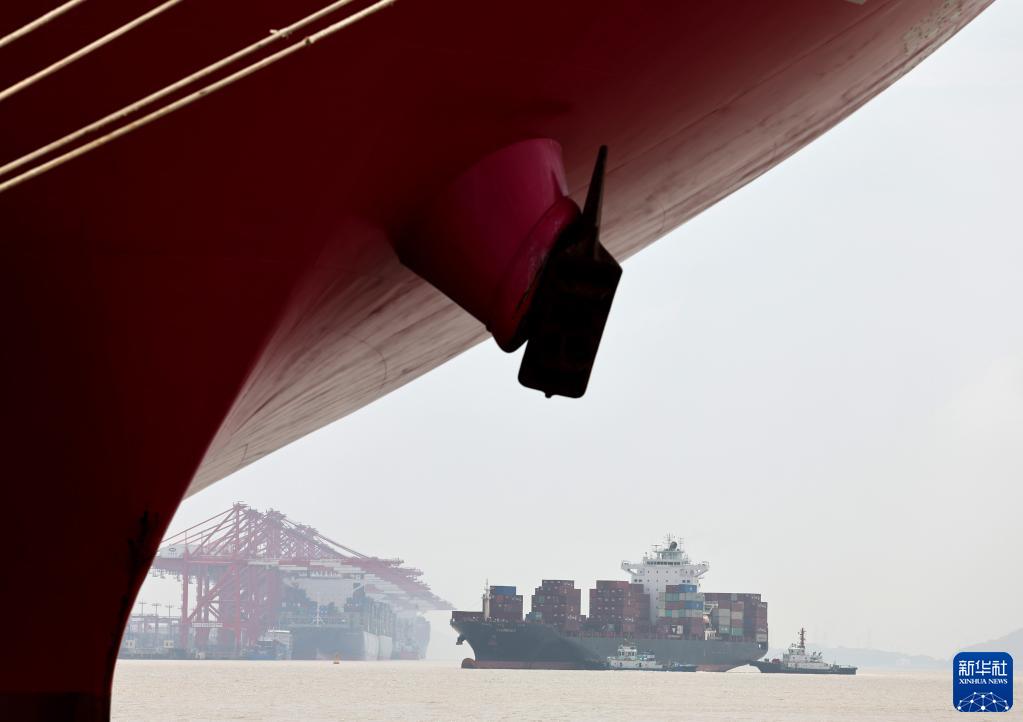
(798, 661)
(629, 657)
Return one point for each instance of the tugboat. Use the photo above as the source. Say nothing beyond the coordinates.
(629, 657)
(798, 661)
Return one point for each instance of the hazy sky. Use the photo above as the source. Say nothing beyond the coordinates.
(818, 383)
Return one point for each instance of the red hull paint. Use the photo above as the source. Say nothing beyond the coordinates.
(195, 295)
(715, 667)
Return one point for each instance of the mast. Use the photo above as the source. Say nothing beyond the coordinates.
(802, 638)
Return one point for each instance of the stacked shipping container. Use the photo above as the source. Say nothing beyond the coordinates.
(738, 616)
(756, 620)
(557, 602)
(619, 607)
(466, 616)
(680, 608)
(505, 604)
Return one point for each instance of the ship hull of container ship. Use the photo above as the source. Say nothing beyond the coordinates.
(539, 646)
(346, 644)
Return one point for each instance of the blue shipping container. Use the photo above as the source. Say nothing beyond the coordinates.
(503, 591)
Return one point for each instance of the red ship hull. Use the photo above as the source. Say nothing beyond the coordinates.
(190, 297)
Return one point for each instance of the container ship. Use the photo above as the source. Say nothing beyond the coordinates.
(661, 609)
(348, 623)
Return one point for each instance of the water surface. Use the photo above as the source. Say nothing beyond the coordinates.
(213, 690)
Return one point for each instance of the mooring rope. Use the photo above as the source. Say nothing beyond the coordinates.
(39, 22)
(193, 97)
(132, 108)
(85, 50)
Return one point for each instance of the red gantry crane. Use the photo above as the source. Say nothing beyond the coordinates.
(238, 559)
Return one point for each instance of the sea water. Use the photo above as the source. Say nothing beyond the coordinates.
(321, 690)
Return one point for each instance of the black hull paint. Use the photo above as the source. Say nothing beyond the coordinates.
(539, 646)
